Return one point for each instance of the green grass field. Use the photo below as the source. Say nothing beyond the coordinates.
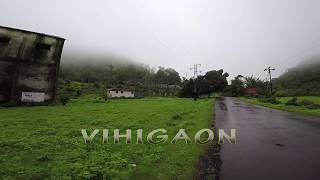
(46, 142)
(297, 109)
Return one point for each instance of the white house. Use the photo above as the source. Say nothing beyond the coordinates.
(119, 93)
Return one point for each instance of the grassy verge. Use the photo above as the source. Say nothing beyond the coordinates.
(315, 99)
(45, 142)
(297, 109)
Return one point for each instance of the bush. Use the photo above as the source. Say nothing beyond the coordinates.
(309, 104)
(79, 92)
(272, 100)
(282, 93)
(313, 106)
(64, 100)
(306, 102)
(292, 102)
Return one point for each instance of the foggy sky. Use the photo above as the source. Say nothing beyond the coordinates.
(240, 36)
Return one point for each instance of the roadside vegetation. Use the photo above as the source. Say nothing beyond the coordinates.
(306, 105)
(297, 90)
(45, 141)
(302, 100)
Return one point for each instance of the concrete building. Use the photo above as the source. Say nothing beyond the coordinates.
(119, 93)
(29, 66)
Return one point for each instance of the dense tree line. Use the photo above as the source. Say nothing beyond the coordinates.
(301, 80)
(111, 75)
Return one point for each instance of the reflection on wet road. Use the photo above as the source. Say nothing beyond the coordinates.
(271, 144)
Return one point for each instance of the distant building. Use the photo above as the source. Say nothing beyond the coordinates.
(250, 91)
(29, 66)
(119, 93)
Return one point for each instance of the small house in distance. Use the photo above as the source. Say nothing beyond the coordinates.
(29, 66)
(119, 93)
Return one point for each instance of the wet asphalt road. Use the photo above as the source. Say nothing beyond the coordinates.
(271, 144)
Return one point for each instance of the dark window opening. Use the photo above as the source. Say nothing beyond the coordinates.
(41, 52)
(41, 46)
(121, 92)
(117, 92)
(4, 40)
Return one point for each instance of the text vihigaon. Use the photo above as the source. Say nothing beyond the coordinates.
(159, 136)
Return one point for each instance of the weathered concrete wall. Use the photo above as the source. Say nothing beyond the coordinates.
(29, 62)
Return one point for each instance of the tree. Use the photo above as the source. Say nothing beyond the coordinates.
(260, 86)
(173, 77)
(237, 86)
(212, 81)
(167, 76)
(203, 86)
(217, 80)
(187, 89)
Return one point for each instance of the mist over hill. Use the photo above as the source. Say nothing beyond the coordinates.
(112, 70)
(99, 68)
(79, 57)
(304, 79)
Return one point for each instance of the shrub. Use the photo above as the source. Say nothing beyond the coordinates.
(272, 100)
(306, 102)
(282, 93)
(292, 102)
(64, 100)
(313, 106)
(79, 92)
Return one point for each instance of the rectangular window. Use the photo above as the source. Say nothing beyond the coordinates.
(41, 46)
(4, 40)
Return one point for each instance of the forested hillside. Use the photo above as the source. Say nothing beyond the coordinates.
(304, 79)
(114, 70)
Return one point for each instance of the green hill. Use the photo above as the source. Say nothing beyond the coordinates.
(304, 79)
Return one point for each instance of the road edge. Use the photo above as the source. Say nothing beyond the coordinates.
(209, 162)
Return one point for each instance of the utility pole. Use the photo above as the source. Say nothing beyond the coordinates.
(195, 70)
(195, 75)
(269, 69)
